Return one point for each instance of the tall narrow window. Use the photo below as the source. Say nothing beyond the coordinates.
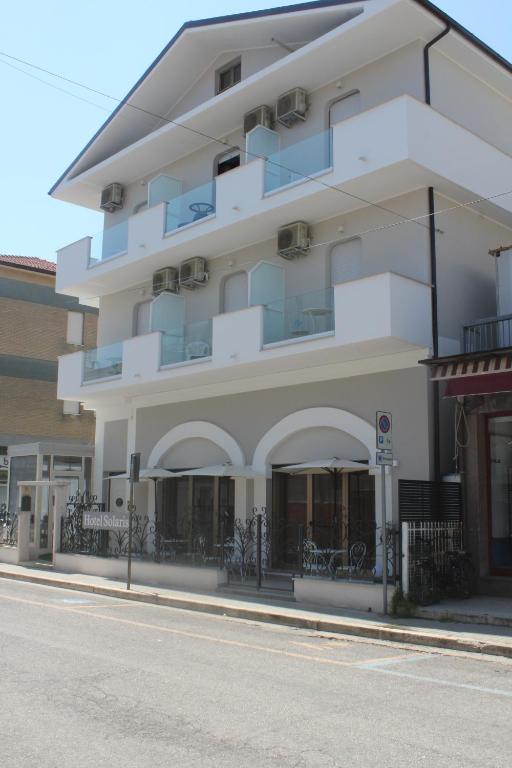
(236, 292)
(346, 261)
(75, 330)
(344, 107)
(142, 318)
(227, 161)
(229, 75)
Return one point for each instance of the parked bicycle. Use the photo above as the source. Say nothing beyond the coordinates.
(459, 575)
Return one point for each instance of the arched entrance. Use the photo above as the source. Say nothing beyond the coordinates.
(195, 515)
(332, 510)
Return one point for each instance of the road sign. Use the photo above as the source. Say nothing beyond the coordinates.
(384, 430)
(384, 459)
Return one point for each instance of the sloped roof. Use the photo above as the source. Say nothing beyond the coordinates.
(314, 5)
(31, 263)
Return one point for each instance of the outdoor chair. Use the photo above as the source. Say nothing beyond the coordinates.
(197, 349)
(356, 560)
(313, 560)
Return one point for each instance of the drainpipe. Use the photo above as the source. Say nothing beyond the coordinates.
(433, 268)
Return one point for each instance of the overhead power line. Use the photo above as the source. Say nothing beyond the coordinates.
(207, 136)
(403, 219)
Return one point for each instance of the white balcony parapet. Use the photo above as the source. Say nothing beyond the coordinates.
(415, 147)
(375, 316)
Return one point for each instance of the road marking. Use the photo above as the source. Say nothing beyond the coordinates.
(447, 683)
(265, 649)
(394, 659)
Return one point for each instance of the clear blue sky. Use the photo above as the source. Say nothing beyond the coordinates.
(107, 46)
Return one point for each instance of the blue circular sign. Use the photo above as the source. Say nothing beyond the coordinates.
(384, 424)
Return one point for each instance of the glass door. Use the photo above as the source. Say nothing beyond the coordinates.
(500, 477)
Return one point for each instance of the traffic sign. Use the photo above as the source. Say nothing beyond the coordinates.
(384, 459)
(384, 430)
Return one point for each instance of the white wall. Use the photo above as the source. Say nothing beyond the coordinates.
(458, 94)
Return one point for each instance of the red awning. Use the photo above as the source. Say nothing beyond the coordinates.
(486, 384)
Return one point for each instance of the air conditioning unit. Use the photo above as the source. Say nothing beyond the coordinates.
(260, 116)
(193, 273)
(165, 281)
(293, 240)
(291, 107)
(112, 197)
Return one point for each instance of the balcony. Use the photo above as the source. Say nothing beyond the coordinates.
(487, 335)
(376, 155)
(359, 326)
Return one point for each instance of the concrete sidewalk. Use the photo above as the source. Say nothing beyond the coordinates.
(448, 635)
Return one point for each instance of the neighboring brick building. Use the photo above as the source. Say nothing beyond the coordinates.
(36, 326)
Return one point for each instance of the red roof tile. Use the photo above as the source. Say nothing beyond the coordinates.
(28, 262)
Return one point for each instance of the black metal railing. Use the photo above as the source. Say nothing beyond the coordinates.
(254, 551)
(195, 543)
(8, 527)
(261, 549)
(486, 335)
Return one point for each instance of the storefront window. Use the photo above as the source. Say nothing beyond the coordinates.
(67, 464)
(500, 455)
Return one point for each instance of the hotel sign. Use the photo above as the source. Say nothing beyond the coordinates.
(105, 521)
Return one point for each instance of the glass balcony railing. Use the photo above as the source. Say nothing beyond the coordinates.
(305, 158)
(103, 362)
(192, 206)
(190, 342)
(109, 243)
(304, 315)
(486, 335)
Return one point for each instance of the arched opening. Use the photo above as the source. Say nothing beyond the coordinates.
(194, 515)
(335, 513)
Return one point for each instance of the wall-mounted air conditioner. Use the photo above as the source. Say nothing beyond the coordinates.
(291, 107)
(165, 281)
(112, 197)
(293, 240)
(262, 115)
(193, 273)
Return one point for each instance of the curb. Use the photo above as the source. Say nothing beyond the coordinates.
(484, 619)
(373, 632)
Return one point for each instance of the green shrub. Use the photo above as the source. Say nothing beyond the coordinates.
(402, 605)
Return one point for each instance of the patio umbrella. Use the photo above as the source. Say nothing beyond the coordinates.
(224, 470)
(150, 473)
(334, 467)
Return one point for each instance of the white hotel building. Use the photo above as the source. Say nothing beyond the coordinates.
(270, 272)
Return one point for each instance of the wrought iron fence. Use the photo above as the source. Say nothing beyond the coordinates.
(193, 545)
(428, 549)
(261, 549)
(8, 527)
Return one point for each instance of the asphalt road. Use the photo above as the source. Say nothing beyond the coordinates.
(87, 682)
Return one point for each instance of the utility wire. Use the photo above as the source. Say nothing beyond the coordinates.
(51, 85)
(198, 132)
(404, 219)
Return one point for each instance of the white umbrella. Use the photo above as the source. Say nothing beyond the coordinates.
(224, 470)
(150, 473)
(318, 466)
(333, 467)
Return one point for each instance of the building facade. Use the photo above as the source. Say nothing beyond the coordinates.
(38, 433)
(290, 227)
(479, 380)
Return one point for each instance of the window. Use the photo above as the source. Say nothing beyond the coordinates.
(229, 75)
(346, 261)
(70, 408)
(75, 330)
(226, 162)
(235, 292)
(345, 107)
(143, 318)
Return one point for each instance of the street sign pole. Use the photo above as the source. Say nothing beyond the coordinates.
(134, 478)
(384, 435)
(384, 542)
